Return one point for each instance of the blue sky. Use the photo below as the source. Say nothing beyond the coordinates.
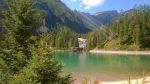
(93, 6)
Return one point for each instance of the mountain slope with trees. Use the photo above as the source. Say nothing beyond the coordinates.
(57, 13)
(131, 31)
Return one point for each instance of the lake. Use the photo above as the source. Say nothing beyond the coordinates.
(103, 67)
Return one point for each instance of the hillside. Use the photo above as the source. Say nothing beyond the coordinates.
(57, 12)
(106, 17)
(131, 31)
(2, 5)
(102, 18)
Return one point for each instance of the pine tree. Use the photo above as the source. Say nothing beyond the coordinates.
(41, 69)
(25, 62)
(19, 23)
(21, 20)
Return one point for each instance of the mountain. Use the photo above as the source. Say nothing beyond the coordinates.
(87, 18)
(106, 17)
(56, 12)
(92, 18)
(101, 18)
(2, 5)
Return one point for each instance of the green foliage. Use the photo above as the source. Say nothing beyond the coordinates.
(131, 29)
(86, 81)
(63, 38)
(112, 45)
(4, 75)
(19, 23)
(21, 20)
(25, 58)
(41, 69)
(97, 37)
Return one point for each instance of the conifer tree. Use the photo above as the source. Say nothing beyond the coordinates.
(25, 62)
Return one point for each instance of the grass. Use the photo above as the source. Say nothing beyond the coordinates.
(86, 81)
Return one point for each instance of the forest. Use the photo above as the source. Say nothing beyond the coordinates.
(26, 55)
(131, 31)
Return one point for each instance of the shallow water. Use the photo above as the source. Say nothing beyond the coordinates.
(104, 67)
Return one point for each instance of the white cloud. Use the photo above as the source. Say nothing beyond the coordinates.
(73, 0)
(87, 4)
(91, 3)
(87, 7)
(80, 5)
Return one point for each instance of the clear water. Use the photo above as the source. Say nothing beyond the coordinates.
(104, 67)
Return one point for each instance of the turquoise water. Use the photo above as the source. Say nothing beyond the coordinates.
(104, 66)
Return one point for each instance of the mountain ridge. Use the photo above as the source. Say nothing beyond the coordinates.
(56, 12)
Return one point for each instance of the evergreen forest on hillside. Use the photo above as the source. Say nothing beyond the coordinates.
(131, 31)
(26, 52)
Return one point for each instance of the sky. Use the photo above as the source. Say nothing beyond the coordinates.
(93, 6)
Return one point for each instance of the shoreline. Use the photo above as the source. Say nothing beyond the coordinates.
(121, 52)
(146, 80)
(132, 81)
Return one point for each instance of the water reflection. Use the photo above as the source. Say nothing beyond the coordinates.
(86, 62)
